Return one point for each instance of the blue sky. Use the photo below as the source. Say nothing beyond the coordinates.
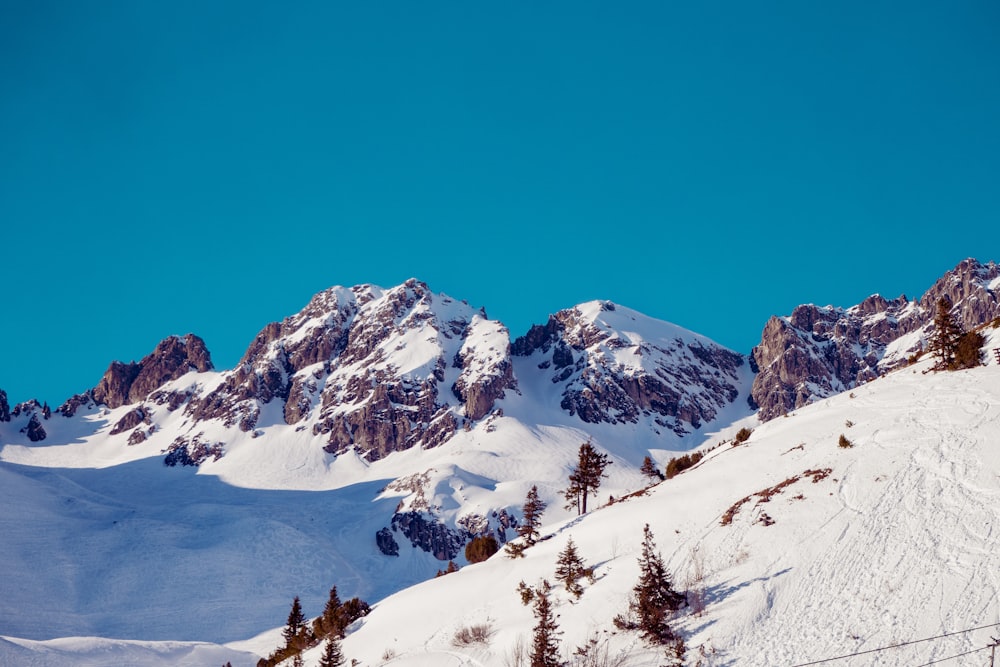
(207, 167)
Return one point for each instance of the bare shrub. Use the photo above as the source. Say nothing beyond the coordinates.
(517, 655)
(695, 583)
(595, 653)
(844, 442)
(473, 634)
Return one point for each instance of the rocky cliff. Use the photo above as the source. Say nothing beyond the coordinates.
(369, 369)
(613, 365)
(819, 351)
(124, 384)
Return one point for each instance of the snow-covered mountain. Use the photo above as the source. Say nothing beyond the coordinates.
(819, 351)
(792, 548)
(381, 428)
(363, 441)
(614, 365)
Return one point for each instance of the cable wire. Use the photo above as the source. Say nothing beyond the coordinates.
(900, 645)
(950, 657)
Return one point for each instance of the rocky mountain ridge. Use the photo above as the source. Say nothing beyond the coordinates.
(610, 366)
(335, 367)
(819, 351)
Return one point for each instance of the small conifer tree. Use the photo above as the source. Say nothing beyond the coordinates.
(481, 548)
(654, 597)
(327, 621)
(650, 470)
(452, 567)
(295, 633)
(332, 654)
(570, 569)
(944, 341)
(545, 640)
(969, 350)
(531, 517)
(586, 477)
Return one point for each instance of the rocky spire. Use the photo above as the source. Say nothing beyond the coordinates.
(124, 384)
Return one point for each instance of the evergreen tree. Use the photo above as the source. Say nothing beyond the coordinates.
(944, 341)
(570, 569)
(295, 633)
(332, 655)
(481, 548)
(327, 622)
(654, 596)
(532, 517)
(586, 477)
(545, 641)
(650, 471)
(452, 567)
(969, 350)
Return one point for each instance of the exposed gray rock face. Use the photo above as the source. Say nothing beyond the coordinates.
(124, 384)
(430, 535)
(612, 364)
(193, 451)
(386, 542)
(74, 403)
(34, 429)
(370, 369)
(820, 351)
(132, 418)
(4, 407)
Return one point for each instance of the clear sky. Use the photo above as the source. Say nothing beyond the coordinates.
(207, 166)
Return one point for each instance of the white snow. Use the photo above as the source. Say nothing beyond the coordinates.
(100, 540)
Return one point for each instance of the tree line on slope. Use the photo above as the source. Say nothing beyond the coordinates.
(331, 625)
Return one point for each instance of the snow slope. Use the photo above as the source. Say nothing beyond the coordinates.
(897, 542)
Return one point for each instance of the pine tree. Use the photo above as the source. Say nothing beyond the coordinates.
(586, 477)
(327, 623)
(969, 350)
(545, 641)
(570, 569)
(650, 471)
(944, 341)
(532, 517)
(295, 633)
(654, 596)
(332, 655)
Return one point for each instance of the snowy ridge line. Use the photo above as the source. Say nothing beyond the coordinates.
(910, 643)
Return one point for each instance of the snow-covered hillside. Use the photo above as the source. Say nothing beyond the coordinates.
(800, 548)
(275, 507)
(891, 540)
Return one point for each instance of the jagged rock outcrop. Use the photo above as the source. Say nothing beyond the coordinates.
(132, 418)
(430, 535)
(192, 451)
(74, 403)
(819, 351)
(612, 364)
(4, 407)
(124, 384)
(370, 369)
(386, 542)
(34, 429)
